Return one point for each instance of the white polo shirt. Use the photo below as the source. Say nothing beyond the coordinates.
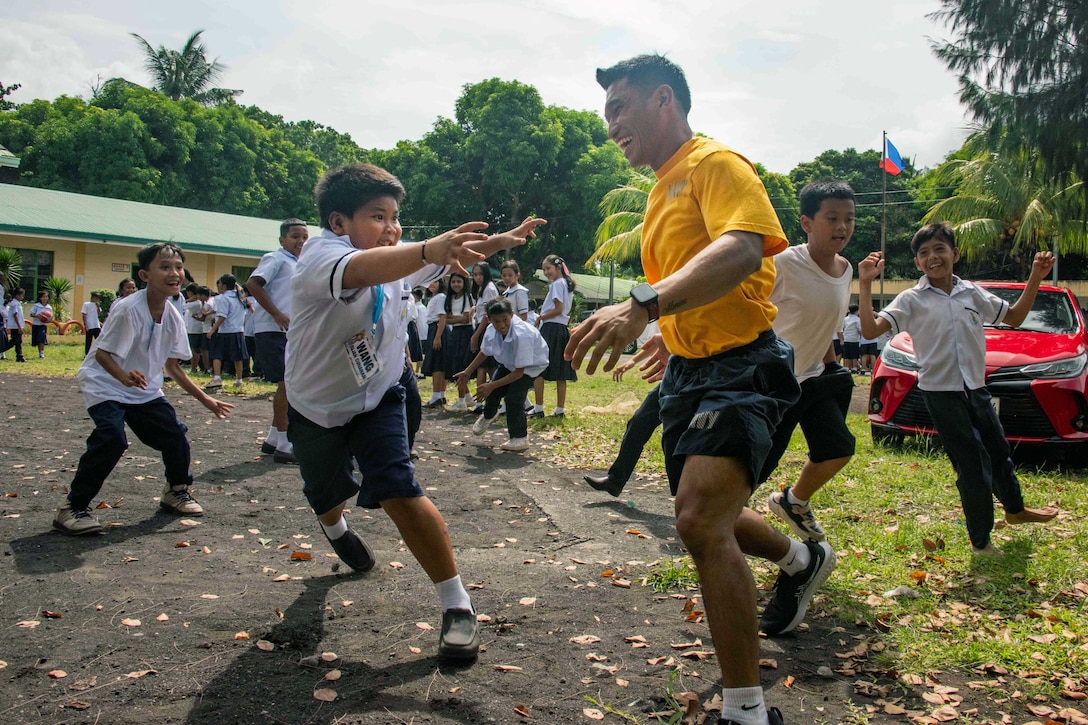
(811, 304)
(320, 382)
(193, 326)
(89, 313)
(490, 292)
(436, 307)
(558, 292)
(233, 312)
(519, 299)
(277, 269)
(949, 343)
(523, 347)
(136, 342)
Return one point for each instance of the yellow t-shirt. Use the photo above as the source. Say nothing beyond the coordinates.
(705, 190)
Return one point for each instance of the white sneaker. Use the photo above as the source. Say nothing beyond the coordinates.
(214, 384)
(459, 406)
(481, 424)
(515, 444)
(502, 409)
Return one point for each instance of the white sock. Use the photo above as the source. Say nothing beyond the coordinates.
(453, 594)
(559, 411)
(437, 396)
(792, 499)
(797, 560)
(273, 437)
(744, 705)
(538, 408)
(469, 400)
(336, 530)
(284, 446)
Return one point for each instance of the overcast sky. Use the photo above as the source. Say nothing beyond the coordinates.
(778, 80)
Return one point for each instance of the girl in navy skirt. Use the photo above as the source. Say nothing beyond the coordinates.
(553, 323)
(434, 360)
(458, 314)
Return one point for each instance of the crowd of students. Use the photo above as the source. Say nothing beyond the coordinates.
(743, 357)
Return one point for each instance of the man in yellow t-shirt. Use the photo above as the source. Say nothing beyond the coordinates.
(707, 241)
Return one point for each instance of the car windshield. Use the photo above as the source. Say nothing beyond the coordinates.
(1052, 311)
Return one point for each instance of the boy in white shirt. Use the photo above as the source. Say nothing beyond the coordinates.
(15, 323)
(345, 356)
(944, 316)
(91, 324)
(522, 355)
(121, 381)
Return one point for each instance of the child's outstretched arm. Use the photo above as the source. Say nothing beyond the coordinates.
(466, 374)
(504, 240)
(1040, 268)
(220, 408)
(869, 269)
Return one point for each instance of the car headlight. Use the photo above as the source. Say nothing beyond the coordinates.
(1067, 368)
(897, 358)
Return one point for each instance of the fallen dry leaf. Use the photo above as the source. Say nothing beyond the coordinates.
(522, 710)
(57, 674)
(593, 713)
(325, 695)
(209, 596)
(329, 656)
(189, 522)
(333, 675)
(51, 615)
(140, 673)
(265, 646)
(242, 635)
(281, 578)
(301, 556)
(28, 624)
(527, 601)
(585, 639)
(130, 622)
(424, 626)
(162, 617)
(507, 668)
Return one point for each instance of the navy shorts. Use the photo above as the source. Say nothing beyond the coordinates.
(851, 350)
(727, 405)
(868, 348)
(271, 348)
(377, 440)
(821, 413)
(196, 341)
(228, 347)
(38, 335)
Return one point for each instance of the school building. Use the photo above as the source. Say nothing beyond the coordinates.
(92, 241)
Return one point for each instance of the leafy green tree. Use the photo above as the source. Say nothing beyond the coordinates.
(1023, 73)
(1006, 208)
(330, 146)
(5, 91)
(186, 73)
(783, 196)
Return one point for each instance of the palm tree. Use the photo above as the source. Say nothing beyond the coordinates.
(186, 73)
(58, 289)
(619, 236)
(1006, 205)
(11, 268)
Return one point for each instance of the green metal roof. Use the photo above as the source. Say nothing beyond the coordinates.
(47, 213)
(9, 159)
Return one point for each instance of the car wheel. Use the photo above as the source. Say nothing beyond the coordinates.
(884, 437)
(631, 349)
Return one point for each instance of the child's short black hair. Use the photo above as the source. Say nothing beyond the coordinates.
(18, 291)
(286, 224)
(852, 309)
(191, 288)
(937, 230)
(348, 188)
(647, 72)
(499, 306)
(814, 192)
(148, 254)
(204, 291)
(417, 293)
(228, 280)
(94, 295)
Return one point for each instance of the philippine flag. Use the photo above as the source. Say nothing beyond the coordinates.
(892, 161)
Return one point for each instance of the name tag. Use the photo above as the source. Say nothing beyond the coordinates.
(363, 357)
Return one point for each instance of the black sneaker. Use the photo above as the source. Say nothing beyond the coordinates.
(799, 516)
(279, 456)
(267, 448)
(774, 717)
(605, 483)
(792, 594)
(460, 637)
(353, 551)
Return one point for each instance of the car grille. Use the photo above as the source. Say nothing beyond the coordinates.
(1020, 413)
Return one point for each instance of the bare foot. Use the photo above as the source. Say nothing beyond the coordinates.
(1033, 516)
(988, 550)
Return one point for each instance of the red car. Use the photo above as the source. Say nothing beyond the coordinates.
(1036, 374)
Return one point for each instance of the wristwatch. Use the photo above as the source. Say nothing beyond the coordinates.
(646, 296)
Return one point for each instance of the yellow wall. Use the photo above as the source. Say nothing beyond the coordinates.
(89, 265)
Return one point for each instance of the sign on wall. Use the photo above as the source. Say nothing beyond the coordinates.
(120, 267)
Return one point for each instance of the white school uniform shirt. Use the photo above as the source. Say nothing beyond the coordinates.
(233, 312)
(209, 315)
(193, 326)
(523, 347)
(421, 319)
(277, 269)
(946, 329)
(136, 342)
(4, 316)
(851, 329)
(558, 291)
(15, 315)
(34, 310)
(89, 313)
(436, 307)
(810, 303)
(519, 299)
(490, 292)
(459, 307)
(325, 315)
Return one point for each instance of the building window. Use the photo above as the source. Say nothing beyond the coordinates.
(241, 273)
(37, 268)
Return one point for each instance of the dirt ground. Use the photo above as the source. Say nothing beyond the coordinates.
(243, 616)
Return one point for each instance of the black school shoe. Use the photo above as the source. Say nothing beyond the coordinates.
(604, 483)
(460, 637)
(792, 594)
(353, 551)
(774, 717)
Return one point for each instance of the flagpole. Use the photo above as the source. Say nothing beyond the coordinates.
(883, 208)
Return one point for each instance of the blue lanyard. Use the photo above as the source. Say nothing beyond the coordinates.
(379, 302)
